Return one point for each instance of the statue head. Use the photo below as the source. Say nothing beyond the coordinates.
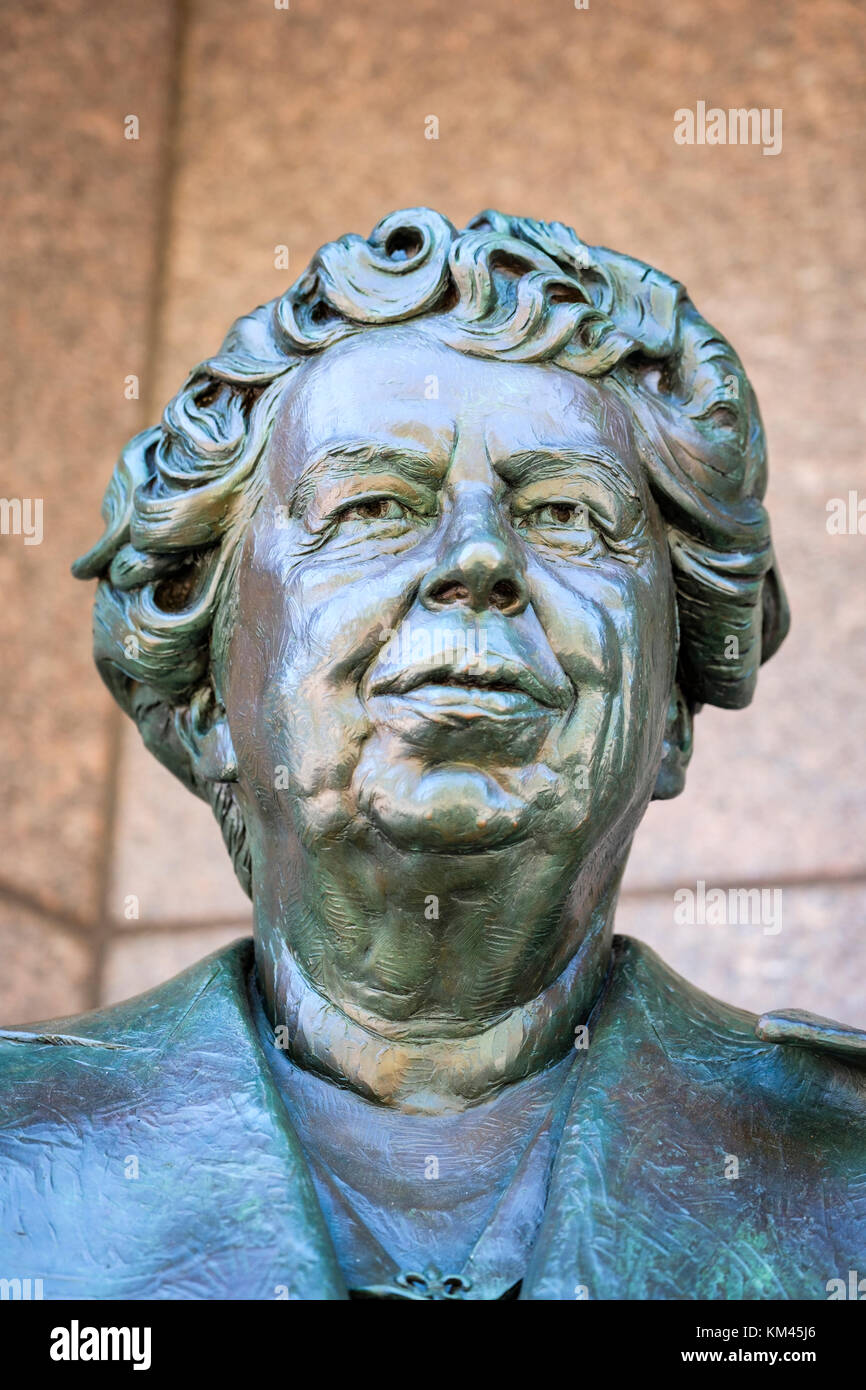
(441, 552)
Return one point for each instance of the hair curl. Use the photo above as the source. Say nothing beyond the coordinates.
(509, 288)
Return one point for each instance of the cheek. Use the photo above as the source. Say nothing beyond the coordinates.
(649, 649)
(612, 630)
(336, 605)
(306, 631)
(583, 613)
(646, 629)
(251, 661)
(298, 618)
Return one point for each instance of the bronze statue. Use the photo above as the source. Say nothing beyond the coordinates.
(420, 583)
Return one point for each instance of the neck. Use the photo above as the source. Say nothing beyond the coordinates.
(430, 1002)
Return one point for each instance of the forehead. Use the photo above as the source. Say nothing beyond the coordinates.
(403, 386)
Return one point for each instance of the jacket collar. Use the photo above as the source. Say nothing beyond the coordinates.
(640, 1206)
(697, 1161)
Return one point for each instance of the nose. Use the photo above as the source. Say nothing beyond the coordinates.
(479, 565)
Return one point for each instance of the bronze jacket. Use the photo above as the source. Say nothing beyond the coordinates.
(146, 1152)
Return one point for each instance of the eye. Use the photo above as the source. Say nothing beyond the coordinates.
(373, 509)
(724, 416)
(560, 523)
(559, 514)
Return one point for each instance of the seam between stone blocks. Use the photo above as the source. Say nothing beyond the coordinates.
(104, 929)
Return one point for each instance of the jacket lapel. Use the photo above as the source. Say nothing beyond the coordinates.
(696, 1161)
(156, 1158)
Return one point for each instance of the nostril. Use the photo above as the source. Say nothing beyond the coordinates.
(504, 594)
(449, 592)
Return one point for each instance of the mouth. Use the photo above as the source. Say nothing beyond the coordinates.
(461, 700)
(503, 688)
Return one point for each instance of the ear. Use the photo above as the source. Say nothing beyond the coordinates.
(203, 730)
(677, 748)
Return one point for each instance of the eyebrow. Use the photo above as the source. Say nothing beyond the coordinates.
(351, 456)
(602, 465)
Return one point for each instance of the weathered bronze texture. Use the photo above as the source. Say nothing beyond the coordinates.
(420, 583)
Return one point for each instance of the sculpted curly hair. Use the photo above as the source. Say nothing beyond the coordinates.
(505, 287)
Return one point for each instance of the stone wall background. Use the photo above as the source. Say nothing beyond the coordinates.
(261, 127)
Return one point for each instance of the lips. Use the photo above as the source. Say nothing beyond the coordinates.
(496, 686)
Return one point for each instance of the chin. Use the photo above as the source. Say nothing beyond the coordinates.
(447, 809)
(461, 808)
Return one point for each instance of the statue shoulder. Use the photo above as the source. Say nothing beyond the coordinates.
(799, 1028)
(790, 1052)
(68, 1049)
